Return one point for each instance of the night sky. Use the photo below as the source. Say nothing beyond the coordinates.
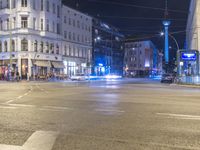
(139, 22)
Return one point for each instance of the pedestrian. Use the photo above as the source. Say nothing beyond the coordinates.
(17, 74)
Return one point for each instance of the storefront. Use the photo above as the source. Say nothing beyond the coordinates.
(31, 65)
(74, 66)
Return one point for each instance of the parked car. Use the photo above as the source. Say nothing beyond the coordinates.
(167, 78)
(79, 77)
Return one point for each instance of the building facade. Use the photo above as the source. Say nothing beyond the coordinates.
(142, 59)
(193, 24)
(108, 49)
(42, 37)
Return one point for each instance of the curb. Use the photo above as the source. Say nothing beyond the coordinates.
(187, 85)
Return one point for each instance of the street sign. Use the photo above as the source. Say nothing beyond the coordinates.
(188, 56)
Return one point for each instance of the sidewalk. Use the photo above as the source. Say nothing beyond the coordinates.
(186, 85)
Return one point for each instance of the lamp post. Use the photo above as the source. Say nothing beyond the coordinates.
(10, 43)
(171, 36)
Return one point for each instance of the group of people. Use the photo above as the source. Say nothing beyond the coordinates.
(15, 76)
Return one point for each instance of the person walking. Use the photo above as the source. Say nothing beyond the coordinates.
(17, 75)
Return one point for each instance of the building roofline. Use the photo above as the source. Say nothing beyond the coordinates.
(64, 5)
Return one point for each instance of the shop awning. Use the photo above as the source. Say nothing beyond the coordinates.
(7, 62)
(58, 65)
(42, 63)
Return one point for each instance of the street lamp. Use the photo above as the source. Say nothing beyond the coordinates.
(177, 45)
(10, 34)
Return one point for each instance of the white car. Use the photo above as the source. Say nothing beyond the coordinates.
(79, 77)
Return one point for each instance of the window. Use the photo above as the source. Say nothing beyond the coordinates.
(14, 4)
(58, 11)
(65, 51)
(34, 4)
(52, 48)
(13, 45)
(74, 23)
(42, 5)
(24, 45)
(1, 6)
(58, 28)
(0, 46)
(53, 26)
(78, 24)
(65, 34)
(68, 52)
(24, 3)
(47, 47)
(34, 23)
(41, 47)
(47, 24)
(1, 24)
(36, 46)
(70, 21)
(42, 24)
(74, 37)
(5, 46)
(7, 4)
(14, 23)
(47, 5)
(7, 22)
(65, 19)
(24, 22)
(70, 35)
(78, 38)
(54, 8)
(57, 49)
(76, 52)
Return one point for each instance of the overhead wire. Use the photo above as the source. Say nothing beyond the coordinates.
(137, 6)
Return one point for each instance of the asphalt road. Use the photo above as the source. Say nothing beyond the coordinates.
(98, 115)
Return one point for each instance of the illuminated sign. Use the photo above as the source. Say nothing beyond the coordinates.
(189, 56)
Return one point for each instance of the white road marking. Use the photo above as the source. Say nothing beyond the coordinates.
(10, 101)
(109, 110)
(48, 109)
(180, 116)
(7, 107)
(9, 147)
(59, 108)
(41, 89)
(19, 97)
(22, 105)
(39, 140)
